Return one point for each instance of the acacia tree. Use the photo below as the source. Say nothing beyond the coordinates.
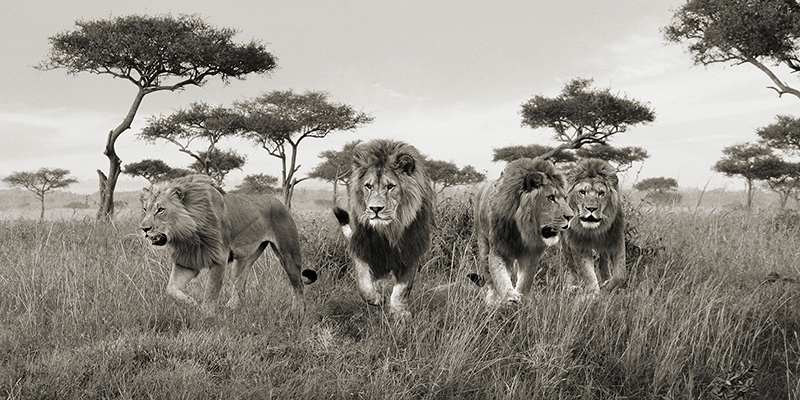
(660, 189)
(784, 135)
(198, 122)
(581, 115)
(155, 54)
(621, 157)
(40, 182)
(154, 170)
(446, 174)
(278, 121)
(753, 162)
(335, 167)
(785, 181)
(511, 153)
(218, 163)
(736, 32)
(257, 184)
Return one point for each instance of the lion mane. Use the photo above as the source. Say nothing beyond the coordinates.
(391, 200)
(599, 226)
(517, 218)
(204, 227)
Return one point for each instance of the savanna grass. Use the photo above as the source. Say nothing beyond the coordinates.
(710, 311)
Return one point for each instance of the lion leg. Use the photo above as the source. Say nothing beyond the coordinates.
(528, 264)
(402, 288)
(216, 272)
(290, 260)
(619, 271)
(585, 270)
(240, 268)
(178, 279)
(364, 281)
(503, 289)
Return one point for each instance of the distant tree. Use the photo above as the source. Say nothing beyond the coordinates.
(753, 162)
(760, 33)
(154, 170)
(218, 163)
(40, 182)
(198, 122)
(335, 167)
(257, 184)
(155, 54)
(446, 174)
(511, 153)
(785, 181)
(660, 190)
(278, 121)
(581, 115)
(784, 134)
(621, 157)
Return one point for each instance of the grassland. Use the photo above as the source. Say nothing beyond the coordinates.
(712, 310)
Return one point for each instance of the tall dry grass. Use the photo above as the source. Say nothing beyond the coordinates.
(710, 311)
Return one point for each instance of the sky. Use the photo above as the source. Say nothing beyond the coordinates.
(448, 77)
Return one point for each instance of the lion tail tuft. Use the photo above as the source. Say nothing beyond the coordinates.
(310, 275)
(344, 221)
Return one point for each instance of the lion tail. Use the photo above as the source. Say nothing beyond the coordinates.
(344, 221)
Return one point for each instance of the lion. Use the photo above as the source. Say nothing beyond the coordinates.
(516, 218)
(599, 227)
(206, 228)
(391, 201)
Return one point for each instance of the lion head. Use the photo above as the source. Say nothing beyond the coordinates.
(594, 194)
(531, 200)
(178, 211)
(388, 187)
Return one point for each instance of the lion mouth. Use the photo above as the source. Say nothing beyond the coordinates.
(590, 219)
(548, 232)
(158, 240)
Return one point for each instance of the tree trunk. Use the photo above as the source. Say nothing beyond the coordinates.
(41, 215)
(290, 180)
(335, 191)
(109, 182)
(749, 193)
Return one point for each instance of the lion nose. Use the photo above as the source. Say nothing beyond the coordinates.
(568, 217)
(145, 228)
(376, 209)
(591, 209)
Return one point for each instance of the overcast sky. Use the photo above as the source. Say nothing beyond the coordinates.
(446, 76)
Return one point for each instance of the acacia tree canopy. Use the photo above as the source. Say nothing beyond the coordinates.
(278, 121)
(583, 115)
(154, 53)
(753, 162)
(154, 170)
(622, 157)
(218, 163)
(735, 32)
(511, 153)
(783, 134)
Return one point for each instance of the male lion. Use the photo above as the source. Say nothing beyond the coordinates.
(599, 228)
(207, 228)
(516, 218)
(392, 203)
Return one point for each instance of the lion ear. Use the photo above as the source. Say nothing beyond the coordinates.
(533, 181)
(612, 178)
(179, 193)
(406, 163)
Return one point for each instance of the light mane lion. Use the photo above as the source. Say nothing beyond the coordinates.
(516, 218)
(598, 228)
(392, 206)
(206, 228)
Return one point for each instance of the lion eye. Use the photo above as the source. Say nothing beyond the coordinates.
(160, 210)
(390, 186)
(601, 193)
(368, 186)
(582, 192)
(552, 198)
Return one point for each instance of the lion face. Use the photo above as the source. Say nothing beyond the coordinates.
(544, 208)
(162, 208)
(381, 198)
(590, 200)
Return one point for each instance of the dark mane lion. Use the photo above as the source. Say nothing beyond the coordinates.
(392, 205)
(205, 228)
(599, 226)
(516, 218)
